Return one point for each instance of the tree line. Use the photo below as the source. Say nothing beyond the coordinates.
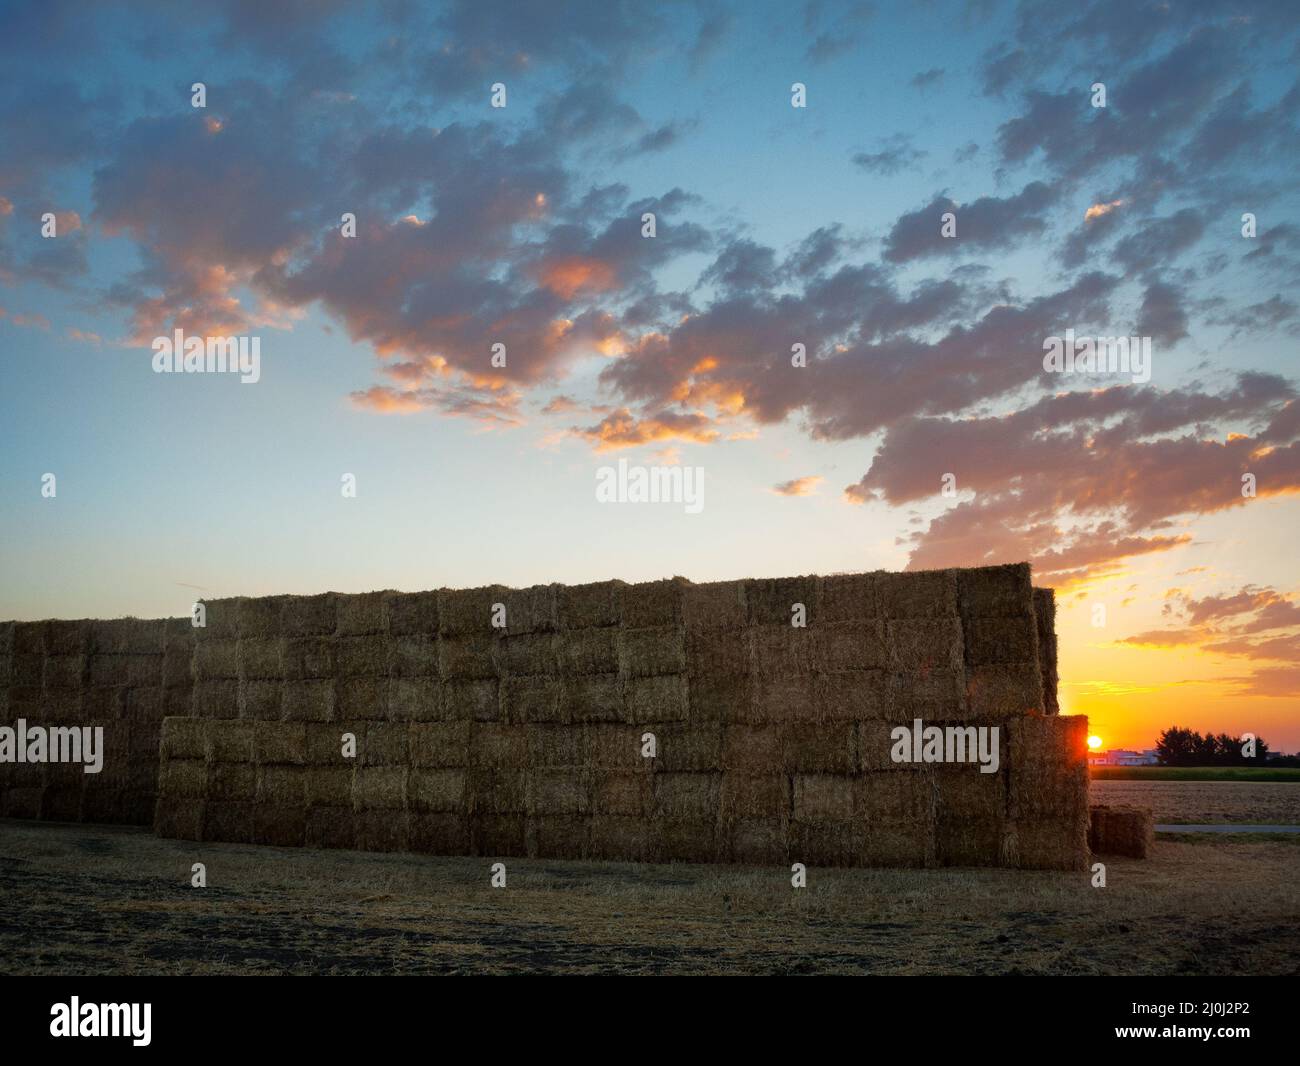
(1187, 747)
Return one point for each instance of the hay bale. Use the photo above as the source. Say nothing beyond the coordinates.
(897, 811)
(361, 615)
(309, 616)
(746, 796)
(823, 799)
(757, 842)
(282, 786)
(105, 670)
(827, 843)
(259, 670)
(414, 656)
(498, 835)
(437, 791)
(531, 610)
(381, 830)
(649, 604)
(690, 797)
(325, 741)
(64, 704)
(179, 819)
(7, 637)
(436, 745)
(681, 841)
(471, 701)
(465, 658)
(995, 591)
(1048, 766)
(64, 637)
(468, 612)
(61, 804)
(1051, 843)
(362, 657)
(328, 786)
(235, 781)
(688, 747)
(144, 670)
(782, 651)
(30, 638)
(754, 749)
(214, 660)
(176, 666)
(411, 613)
(384, 744)
(921, 645)
(857, 645)
(379, 788)
(438, 833)
(418, 699)
(498, 791)
(559, 791)
(229, 821)
(497, 744)
(851, 695)
(1121, 830)
(917, 594)
(25, 802)
(622, 792)
(215, 699)
(221, 620)
(586, 606)
(782, 699)
(1045, 620)
(770, 601)
(617, 838)
(261, 701)
(650, 651)
(656, 699)
(970, 816)
(66, 671)
(932, 695)
(611, 747)
(991, 641)
(143, 705)
(557, 745)
(848, 598)
(587, 651)
(526, 655)
(716, 605)
(718, 653)
(258, 617)
(282, 827)
(331, 827)
(308, 701)
(308, 658)
(532, 699)
(829, 747)
(598, 698)
(713, 698)
(230, 741)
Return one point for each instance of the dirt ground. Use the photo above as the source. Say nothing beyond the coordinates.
(106, 900)
(1206, 802)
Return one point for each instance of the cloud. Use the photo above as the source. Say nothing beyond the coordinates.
(895, 154)
(984, 224)
(621, 429)
(800, 486)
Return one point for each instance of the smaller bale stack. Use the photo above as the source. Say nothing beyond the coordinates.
(1121, 830)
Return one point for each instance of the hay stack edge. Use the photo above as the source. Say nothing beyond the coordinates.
(771, 741)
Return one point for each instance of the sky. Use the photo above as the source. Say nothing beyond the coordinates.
(923, 430)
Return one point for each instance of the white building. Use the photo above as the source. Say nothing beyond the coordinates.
(1122, 757)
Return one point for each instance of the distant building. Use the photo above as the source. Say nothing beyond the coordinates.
(1122, 757)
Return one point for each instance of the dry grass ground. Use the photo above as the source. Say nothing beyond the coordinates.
(78, 899)
(1206, 802)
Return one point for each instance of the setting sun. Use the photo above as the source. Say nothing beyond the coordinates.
(1094, 742)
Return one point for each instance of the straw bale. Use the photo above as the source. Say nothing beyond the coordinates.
(829, 747)
(232, 781)
(7, 637)
(67, 637)
(471, 701)
(128, 636)
(531, 610)
(782, 651)
(411, 613)
(1121, 830)
(325, 741)
(361, 614)
(331, 827)
(1049, 766)
(65, 671)
(716, 605)
(748, 796)
(557, 745)
(498, 791)
(565, 791)
(682, 841)
(65, 705)
(421, 699)
(823, 799)
(587, 651)
(213, 660)
(415, 656)
(179, 819)
(229, 821)
(921, 645)
(308, 658)
(362, 656)
(309, 616)
(497, 744)
(827, 843)
(622, 792)
(308, 701)
(144, 670)
(782, 699)
(105, 670)
(770, 601)
(61, 804)
(258, 617)
(917, 594)
(1052, 843)
(653, 603)
(970, 816)
(184, 738)
(597, 698)
(24, 802)
(655, 699)
(758, 842)
(381, 830)
(177, 662)
(384, 744)
(220, 621)
(437, 791)
(438, 833)
(108, 806)
(498, 835)
(282, 786)
(31, 638)
(688, 747)
(687, 796)
(379, 788)
(714, 698)
(716, 653)
(532, 699)
(283, 827)
(995, 591)
(468, 657)
(468, 612)
(933, 695)
(611, 747)
(584, 606)
(436, 745)
(329, 786)
(851, 695)
(526, 655)
(230, 741)
(650, 651)
(856, 645)
(256, 658)
(617, 838)
(261, 700)
(1045, 619)
(992, 641)
(753, 749)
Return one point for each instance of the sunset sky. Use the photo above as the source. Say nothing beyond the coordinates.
(775, 225)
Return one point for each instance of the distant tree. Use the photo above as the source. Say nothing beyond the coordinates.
(1175, 747)
(1187, 747)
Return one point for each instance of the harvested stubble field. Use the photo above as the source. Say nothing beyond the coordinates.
(81, 899)
(1206, 802)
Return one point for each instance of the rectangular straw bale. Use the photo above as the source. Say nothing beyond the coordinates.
(771, 601)
(596, 698)
(532, 699)
(282, 786)
(917, 594)
(499, 835)
(7, 638)
(308, 658)
(587, 651)
(688, 747)
(783, 699)
(421, 699)
(827, 843)
(415, 655)
(848, 598)
(366, 699)
(656, 699)
(559, 791)
(469, 612)
(823, 799)
(1049, 766)
(177, 665)
(179, 819)
(623, 792)
(438, 833)
(258, 617)
(185, 738)
(526, 655)
(382, 830)
(331, 827)
(504, 790)
(898, 813)
(469, 700)
(308, 701)
(145, 742)
(682, 841)
(183, 779)
(105, 670)
(857, 645)
(65, 637)
(362, 656)
(1121, 830)
(612, 747)
(257, 658)
(617, 838)
(29, 670)
(65, 671)
(827, 747)
(219, 617)
(214, 660)
(757, 842)
(230, 740)
(309, 616)
(65, 704)
(652, 603)
(437, 791)
(144, 670)
(753, 749)
(552, 836)
(555, 745)
(715, 605)
(744, 795)
(333, 743)
(61, 804)
(143, 705)
(329, 786)
(96, 702)
(379, 788)
(24, 802)
(925, 644)
(31, 638)
(995, 591)
(719, 652)
(651, 651)
(687, 796)
(936, 694)
(468, 657)
(719, 698)
(279, 826)
(782, 651)
(991, 641)
(361, 614)
(384, 744)
(1045, 620)
(436, 745)
(851, 695)
(411, 613)
(232, 781)
(498, 744)
(970, 816)
(531, 610)
(585, 606)
(1051, 843)
(128, 636)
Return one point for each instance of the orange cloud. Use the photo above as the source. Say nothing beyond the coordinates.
(622, 429)
(569, 275)
(800, 486)
(1098, 210)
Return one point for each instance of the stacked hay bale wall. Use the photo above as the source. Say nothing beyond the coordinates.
(771, 742)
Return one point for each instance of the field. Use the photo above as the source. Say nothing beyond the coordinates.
(1180, 802)
(80, 899)
(1195, 773)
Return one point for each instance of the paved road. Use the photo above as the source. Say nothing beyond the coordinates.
(1228, 829)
